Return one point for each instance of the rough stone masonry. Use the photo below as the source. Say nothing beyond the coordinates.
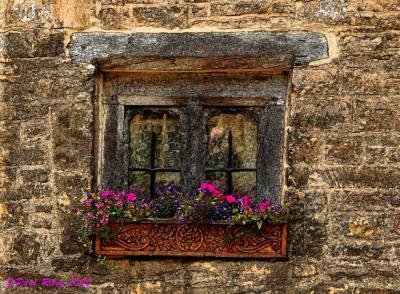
(343, 165)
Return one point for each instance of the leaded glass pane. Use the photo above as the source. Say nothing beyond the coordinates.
(244, 183)
(232, 152)
(167, 133)
(140, 181)
(154, 144)
(244, 137)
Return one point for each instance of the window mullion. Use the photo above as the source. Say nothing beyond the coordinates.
(193, 152)
(230, 163)
(115, 165)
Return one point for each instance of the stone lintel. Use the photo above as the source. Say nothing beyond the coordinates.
(95, 46)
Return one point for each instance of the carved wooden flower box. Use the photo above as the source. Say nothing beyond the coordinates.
(149, 238)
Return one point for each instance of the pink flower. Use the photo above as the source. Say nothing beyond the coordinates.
(107, 193)
(100, 212)
(263, 206)
(245, 200)
(87, 202)
(131, 196)
(210, 188)
(230, 199)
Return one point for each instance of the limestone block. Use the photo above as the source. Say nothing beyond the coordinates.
(344, 149)
(34, 43)
(228, 8)
(323, 113)
(377, 113)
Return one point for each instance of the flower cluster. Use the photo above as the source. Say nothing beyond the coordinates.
(208, 204)
(97, 209)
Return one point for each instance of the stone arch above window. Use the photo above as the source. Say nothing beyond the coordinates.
(195, 73)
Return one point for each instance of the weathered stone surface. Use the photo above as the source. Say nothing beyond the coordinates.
(316, 81)
(343, 137)
(34, 43)
(73, 128)
(169, 16)
(226, 7)
(371, 177)
(326, 113)
(110, 18)
(344, 150)
(59, 82)
(199, 10)
(27, 249)
(305, 147)
(377, 113)
(87, 47)
(327, 12)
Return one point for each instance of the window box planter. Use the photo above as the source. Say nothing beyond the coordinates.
(171, 238)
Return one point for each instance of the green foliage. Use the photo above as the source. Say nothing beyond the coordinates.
(104, 266)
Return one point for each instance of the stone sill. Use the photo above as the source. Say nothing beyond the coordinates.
(156, 238)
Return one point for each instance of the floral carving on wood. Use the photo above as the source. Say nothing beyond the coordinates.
(190, 239)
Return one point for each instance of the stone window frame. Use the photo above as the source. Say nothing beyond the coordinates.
(121, 52)
(271, 128)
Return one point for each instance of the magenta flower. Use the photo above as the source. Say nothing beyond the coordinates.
(245, 200)
(230, 199)
(210, 188)
(131, 196)
(107, 193)
(264, 205)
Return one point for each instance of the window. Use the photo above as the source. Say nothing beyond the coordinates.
(229, 156)
(232, 151)
(169, 126)
(154, 150)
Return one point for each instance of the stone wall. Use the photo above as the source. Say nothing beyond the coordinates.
(343, 145)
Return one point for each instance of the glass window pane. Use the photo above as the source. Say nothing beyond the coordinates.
(167, 136)
(244, 183)
(165, 179)
(244, 139)
(140, 182)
